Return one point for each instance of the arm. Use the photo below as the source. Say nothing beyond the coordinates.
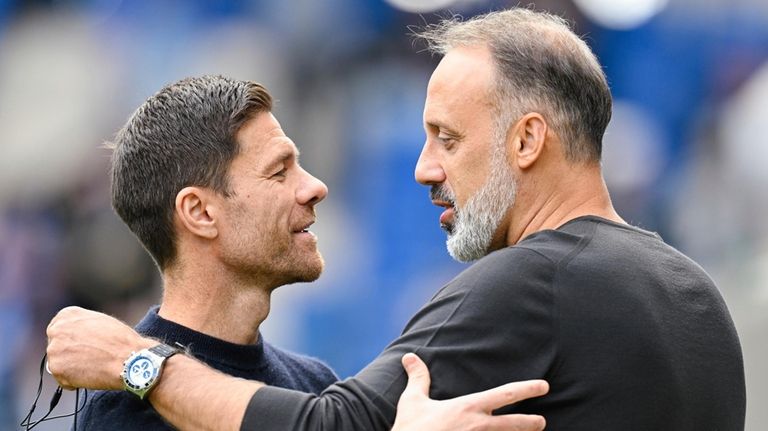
(86, 349)
(227, 398)
(479, 332)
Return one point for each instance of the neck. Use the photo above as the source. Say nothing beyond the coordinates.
(580, 192)
(215, 302)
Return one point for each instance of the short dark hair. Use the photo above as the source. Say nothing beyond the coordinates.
(182, 136)
(542, 66)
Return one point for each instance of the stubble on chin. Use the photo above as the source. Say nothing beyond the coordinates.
(304, 269)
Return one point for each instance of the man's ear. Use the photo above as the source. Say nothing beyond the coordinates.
(527, 140)
(196, 210)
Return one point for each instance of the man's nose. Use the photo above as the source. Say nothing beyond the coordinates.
(312, 190)
(429, 171)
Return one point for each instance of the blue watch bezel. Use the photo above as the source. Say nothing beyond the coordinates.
(150, 380)
(156, 363)
(156, 356)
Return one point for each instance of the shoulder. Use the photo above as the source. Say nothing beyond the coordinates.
(104, 409)
(312, 371)
(503, 272)
(511, 283)
(583, 240)
(543, 250)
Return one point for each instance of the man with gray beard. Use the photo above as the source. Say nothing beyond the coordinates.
(630, 333)
(470, 236)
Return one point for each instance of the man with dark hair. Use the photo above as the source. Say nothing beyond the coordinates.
(630, 334)
(191, 171)
(184, 135)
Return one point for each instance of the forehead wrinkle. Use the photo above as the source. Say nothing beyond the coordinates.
(439, 115)
(284, 144)
(281, 148)
(275, 132)
(442, 110)
(436, 113)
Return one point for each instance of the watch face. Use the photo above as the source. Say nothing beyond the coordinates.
(141, 372)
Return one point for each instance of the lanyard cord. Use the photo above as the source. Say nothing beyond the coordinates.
(29, 424)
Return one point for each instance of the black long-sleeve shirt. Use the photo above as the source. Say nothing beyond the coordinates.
(630, 334)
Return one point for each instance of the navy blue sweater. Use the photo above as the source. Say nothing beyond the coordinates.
(119, 410)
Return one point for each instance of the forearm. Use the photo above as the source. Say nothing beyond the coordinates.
(192, 396)
(345, 406)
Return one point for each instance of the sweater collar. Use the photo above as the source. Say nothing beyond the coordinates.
(204, 347)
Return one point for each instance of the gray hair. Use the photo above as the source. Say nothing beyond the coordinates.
(542, 67)
(182, 136)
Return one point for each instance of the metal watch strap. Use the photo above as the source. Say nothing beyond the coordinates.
(164, 350)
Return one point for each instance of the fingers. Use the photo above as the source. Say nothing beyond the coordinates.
(60, 315)
(59, 336)
(510, 393)
(51, 366)
(418, 374)
(516, 423)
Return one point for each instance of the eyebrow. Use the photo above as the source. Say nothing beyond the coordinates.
(284, 154)
(437, 124)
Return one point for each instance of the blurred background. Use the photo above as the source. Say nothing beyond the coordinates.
(686, 155)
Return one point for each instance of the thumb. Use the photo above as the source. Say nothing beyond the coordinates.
(418, 374)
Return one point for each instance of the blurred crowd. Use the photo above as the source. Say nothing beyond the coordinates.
(686, 154)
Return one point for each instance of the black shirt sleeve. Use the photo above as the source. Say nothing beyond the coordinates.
(491, 325)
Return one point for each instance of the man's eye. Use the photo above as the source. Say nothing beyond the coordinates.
(446, 140)
(281, 173)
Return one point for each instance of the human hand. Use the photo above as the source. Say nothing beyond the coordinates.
(417, 412)
(86, 349)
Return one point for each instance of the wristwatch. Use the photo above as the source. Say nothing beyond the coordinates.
(142, 369)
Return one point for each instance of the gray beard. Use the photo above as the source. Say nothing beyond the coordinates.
(479, 219)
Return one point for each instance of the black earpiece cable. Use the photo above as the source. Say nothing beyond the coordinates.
(29, 424)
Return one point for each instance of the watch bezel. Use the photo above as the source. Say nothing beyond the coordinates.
(141, 355)
(157, 367)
